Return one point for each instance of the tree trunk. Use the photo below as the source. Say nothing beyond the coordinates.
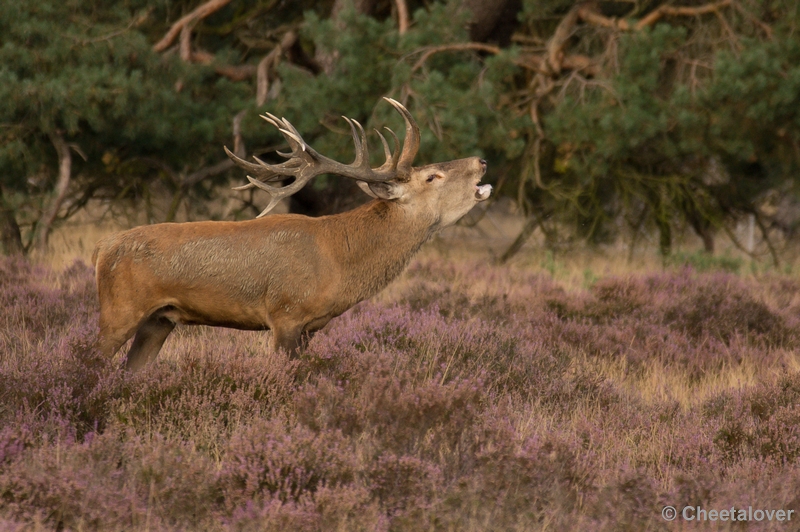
(664, 238)
(10, 235)
(64, 175)
(530, 226)
(704, 230)
(492, 20)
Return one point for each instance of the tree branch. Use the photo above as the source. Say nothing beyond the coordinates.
(402, 16)
(64, 176)
(555, 46)
(200, 13)
(185, 46)
(667, 10)
(236, 72)
(272, 58)
(428, 51)
(588, 13)
(765, 234)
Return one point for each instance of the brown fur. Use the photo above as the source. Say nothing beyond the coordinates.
(288, 273)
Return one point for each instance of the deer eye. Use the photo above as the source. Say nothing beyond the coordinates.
(431, 178)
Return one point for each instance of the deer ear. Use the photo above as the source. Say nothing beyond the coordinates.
(386, 190)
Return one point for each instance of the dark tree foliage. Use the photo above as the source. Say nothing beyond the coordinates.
(82, 75)
(657, 116)
(601, 119)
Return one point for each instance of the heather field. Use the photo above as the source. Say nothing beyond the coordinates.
(465, 397)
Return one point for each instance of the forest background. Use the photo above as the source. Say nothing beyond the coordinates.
(602, 121)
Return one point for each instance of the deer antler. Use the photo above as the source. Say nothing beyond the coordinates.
(304, 163)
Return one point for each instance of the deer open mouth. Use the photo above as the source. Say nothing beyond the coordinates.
(482, 192)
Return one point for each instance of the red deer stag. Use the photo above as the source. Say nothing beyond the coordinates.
(288, 273)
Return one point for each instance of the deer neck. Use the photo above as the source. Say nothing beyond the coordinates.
(376, 242)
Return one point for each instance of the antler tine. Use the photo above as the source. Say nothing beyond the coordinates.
(364, 145)
(290, 127)
(391, 157)
(356, 141)
(269, 172)
(278, 193)
(304, 163)
(411, 142)
(292, 137)
(386, 151)
(272, 119)
(396, 153)
(258, 170)
(275, 121)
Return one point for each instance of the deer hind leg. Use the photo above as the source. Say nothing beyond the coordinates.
(116, 328)
(148, 341)
(292, 340)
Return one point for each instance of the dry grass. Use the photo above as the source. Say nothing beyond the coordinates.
(555, 393)
(485, 241)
